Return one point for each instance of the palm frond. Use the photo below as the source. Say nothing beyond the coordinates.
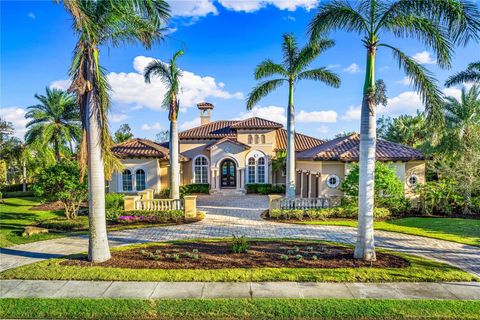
(308, 53)
(268, 68)
(159, 69)
(290, 51)
(471, 74)
(262, 90)
(321, 74)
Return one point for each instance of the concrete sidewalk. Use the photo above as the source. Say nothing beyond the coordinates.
(173, 290)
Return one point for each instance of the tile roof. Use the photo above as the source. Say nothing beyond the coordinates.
(302, 142)
(347, 149)
(212, 130)
(243, 145)
(256, 123)
(142, 148)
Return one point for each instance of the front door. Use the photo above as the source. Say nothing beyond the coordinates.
(228, 176)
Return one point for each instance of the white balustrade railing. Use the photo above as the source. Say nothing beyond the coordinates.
(304, 203)
(159, 204)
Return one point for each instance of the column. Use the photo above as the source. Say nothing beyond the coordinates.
(301, 184)
(239, 179)
(310, 185)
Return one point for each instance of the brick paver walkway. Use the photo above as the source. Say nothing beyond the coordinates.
(228, 215)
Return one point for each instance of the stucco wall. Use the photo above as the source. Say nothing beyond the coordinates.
(151, 168)
(414, 168)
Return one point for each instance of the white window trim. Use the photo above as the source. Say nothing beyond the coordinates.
(134, 180)
(256, 155)
(413, 184)
(330, 185)
(121, 180)
(207, 166)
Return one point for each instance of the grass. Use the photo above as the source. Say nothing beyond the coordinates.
(465, 231)
(238, 309)
(420, 270)
(15, 214)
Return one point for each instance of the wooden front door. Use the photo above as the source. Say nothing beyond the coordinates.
(228, 176)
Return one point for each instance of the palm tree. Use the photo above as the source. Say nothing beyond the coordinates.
(170, 75)
(55, 121)
(291, 70)
(472, 74)
(430, 21)
(104, 23)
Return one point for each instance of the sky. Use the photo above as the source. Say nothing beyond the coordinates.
(223, 41)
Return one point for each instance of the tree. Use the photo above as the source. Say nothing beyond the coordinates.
(104, 23)
(162, 136)
(437, 24)
(405, 129)
(55, 121)
(472, 74)
(170, 75)
(61, 182)
(291, 70)
(123, 133)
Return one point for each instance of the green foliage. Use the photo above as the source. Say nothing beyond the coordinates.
(440, 197)
(162, 216)
(265, 188)
(240, 244)
(388, 187)
(405, 129)
(188, 189)
(471, 74)
(123, 133)
(61, 182)
(342, 212)
(113, 205)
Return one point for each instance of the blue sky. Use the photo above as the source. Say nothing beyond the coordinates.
(223, 41)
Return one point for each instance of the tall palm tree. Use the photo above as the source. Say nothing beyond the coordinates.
(170, 75)
(436, 23)
(104, 23)
(55, 121)
(290, 71)
(472, 74)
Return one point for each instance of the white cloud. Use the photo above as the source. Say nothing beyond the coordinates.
(31, 15)
(333, 66)
(317, 116)
(407, 102)
(291, 18)
(323, 129)
(453, 92)
(60, 84)
(272, 113)
(192, 8)
(189, 124)
(353, 113)
(424, 57)
(16, 116)
(117, 117)
(155, 126)
(353, 68)
(255, 5)
(406, 81)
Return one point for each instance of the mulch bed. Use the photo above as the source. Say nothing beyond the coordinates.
(261, 254)
(47, 206)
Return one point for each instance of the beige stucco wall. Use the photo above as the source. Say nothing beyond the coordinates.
(413, 168)
(267, 147)
(151, 168)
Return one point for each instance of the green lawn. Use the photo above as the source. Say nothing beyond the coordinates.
(15, 215)
(364, 309)
(466, 231)
(420, 270)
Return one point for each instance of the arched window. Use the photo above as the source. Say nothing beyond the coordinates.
(200, 170)
(263, 139)
(261, 170)
(127, 180)
(256, 139)
(140, 180)
(250, 139)
(251, 171)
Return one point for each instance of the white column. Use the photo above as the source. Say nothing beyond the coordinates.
(310, 185)
(238, 178)
(301, 184)
(119, 181)
(217, 179)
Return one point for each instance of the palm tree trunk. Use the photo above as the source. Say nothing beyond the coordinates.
(174, 163)
(24, 176)
(290, 178)
(365, 246)
(56, 148)
(98, 249)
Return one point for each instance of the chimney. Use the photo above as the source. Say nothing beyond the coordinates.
(205, 109)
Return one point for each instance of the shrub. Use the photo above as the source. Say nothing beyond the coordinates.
(61, 182)
(440, 197)
(187, 189)
(151, 216)
(240, 244)
(265, 188)
(113, 205)
(343, 212)
(13, 187)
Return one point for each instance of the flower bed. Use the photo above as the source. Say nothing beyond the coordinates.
(345, 212)
(151, 216)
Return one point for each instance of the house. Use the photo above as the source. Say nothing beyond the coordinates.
(229, 154)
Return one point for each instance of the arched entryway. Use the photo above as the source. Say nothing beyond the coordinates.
(228, 174)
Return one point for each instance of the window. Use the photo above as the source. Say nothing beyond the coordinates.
(412, 180)
(127, 180)
(140, 180)
(263, 139)
(333, 181)
(200, 170)
(250, 139)
(261, 170)
(256, 139)
(251, 171)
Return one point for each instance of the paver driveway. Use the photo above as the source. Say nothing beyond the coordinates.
(228, 215)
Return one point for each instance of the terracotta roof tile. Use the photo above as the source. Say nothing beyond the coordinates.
(212, 130)
(302, 142)
(256, 123)
(142, 148)
(347, 149)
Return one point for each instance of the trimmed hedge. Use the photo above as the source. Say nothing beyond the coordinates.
(151, 216)
(13, 187)
(265, 188)
(17, 194)
(188, 189)
(326, 213)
